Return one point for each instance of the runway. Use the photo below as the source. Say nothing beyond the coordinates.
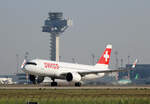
(72, 87)
(70, 94)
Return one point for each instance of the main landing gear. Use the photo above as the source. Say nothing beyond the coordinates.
(78, 84)
(53, 83)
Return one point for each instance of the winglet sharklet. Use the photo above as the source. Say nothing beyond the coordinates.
(23, 64)
(134, 64)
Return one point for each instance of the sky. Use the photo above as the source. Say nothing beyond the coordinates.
(123, 23)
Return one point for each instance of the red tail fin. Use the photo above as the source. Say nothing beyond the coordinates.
(104, 59)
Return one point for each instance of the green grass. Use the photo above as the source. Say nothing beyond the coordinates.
(106, 96)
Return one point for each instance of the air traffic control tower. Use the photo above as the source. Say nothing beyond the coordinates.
(55, 25)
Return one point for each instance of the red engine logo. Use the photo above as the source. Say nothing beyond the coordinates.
(51, 65)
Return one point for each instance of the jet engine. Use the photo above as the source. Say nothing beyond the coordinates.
(74, 77)
(36, 79)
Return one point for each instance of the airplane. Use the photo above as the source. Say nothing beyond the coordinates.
(37, 69)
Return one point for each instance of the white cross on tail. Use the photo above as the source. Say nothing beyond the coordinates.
(106, 56)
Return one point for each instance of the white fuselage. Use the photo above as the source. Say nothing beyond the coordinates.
(56, 69)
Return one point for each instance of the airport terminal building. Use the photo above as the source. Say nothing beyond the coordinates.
(140, 75)
(16, 78)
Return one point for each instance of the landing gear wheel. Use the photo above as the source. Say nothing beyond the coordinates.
(53, 83)
(34, 82)
(77, 84)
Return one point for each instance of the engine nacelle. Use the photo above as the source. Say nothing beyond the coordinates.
(74, 77)
(34, 79)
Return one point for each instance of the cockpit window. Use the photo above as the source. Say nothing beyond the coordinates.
(31, 63)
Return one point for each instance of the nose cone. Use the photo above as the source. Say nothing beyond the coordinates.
(24, 68)
(27, 67)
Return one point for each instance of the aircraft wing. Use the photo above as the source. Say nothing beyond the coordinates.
(84, 72)
(108, 70)
(103, 71)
